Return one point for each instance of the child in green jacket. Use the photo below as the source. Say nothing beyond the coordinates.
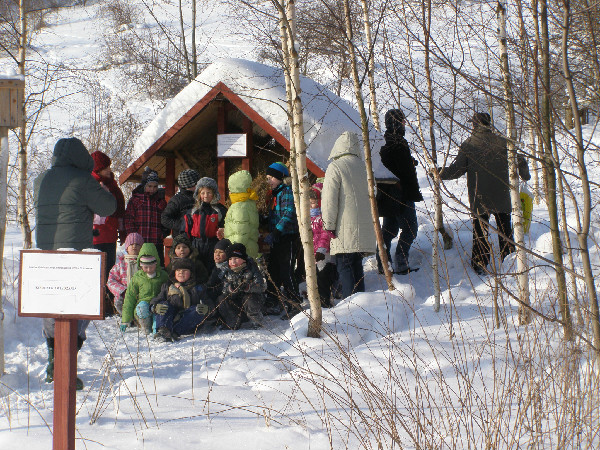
(144, 286)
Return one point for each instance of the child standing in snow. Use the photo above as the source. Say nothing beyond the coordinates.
(182, 248)
(204, 224)
(180, 308)
(144, 286)
(124, 269)
(241, 223)
(326, 270)
(283, 239)
(243, 290)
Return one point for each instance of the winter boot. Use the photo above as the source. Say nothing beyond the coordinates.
(50, 366)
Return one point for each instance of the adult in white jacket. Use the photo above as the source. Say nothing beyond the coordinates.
(347, 213)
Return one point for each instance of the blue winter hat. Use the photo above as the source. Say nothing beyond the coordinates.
(278, 170)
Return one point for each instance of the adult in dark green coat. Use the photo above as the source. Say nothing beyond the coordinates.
(484, 158)
(66, 198)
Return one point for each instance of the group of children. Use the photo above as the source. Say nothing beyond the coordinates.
(213, 278)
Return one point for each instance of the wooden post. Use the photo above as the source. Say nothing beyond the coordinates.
(247, 161)
(169, 177)
(221, 168)
(65, 376)
(10, 117)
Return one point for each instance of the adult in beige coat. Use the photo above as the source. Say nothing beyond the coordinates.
(347, 213)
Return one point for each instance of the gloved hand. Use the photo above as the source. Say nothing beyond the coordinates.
(160, 309)
(319, 256)
(269, 239)
(123, 327)
(431, 172)
(202, 309)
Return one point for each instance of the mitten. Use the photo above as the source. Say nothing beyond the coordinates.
(160, 309)
(319, 256)
(202, 309)
(123, 327)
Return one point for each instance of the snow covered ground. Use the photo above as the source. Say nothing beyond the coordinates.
(389, 372)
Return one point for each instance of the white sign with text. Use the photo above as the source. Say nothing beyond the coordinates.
(60, 283)
(231, 145)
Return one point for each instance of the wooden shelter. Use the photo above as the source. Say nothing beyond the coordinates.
(191, 142)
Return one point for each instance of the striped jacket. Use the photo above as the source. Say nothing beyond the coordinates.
(283, 212)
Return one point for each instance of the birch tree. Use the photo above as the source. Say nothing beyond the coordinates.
(22, 214)
(367, 147)
(583, 221)
(513, 173)
(550, 174)
(370, 66)
(287, 12)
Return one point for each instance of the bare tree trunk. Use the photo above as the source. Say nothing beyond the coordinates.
(370, 66)
(4, 156)
(183, 43)
(22, 214)
(550, 176)
(194, 51)
(287, 12)
(517, 214)
(583, 229)
(367, 148)
(536, 97)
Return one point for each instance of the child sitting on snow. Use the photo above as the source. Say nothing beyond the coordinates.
(326, 270)
(243, 290)
(182, 248)
(144, 286)
(179, 308)
(214, 286)
(204, 224)
(126, 266)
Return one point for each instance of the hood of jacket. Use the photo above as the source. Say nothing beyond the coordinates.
(347, 144)
(148, 249)
(240, 181)
(72, 152)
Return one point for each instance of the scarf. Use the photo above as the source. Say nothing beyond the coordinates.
(239, 268)
(132, 267)
(315, 212)
(243, 196)
(181, 290)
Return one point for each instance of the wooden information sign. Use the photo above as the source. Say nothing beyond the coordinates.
(66, 286)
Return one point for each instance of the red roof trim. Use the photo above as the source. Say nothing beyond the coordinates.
(199, 106)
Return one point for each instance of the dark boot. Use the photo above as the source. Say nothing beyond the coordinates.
(50, 366)
(79, 381)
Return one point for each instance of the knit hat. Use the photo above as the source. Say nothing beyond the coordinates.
(206, 182)
(101, 161)
(147, 259)
(149, 175)
(394, 121)
(133, 238)
(237, 250)
(182, 263)
(182, 239)
(278, 170)
(315, 191)
(187, 178)
(481, 119)
(223, 244)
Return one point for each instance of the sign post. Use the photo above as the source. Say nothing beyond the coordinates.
(67, 286)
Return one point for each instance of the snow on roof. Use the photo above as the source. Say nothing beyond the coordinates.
(9, 73)
(326, 116)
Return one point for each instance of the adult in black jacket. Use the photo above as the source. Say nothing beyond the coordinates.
(396, 199)
(181, 203)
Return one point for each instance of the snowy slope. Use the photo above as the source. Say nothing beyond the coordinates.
(388, 373)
